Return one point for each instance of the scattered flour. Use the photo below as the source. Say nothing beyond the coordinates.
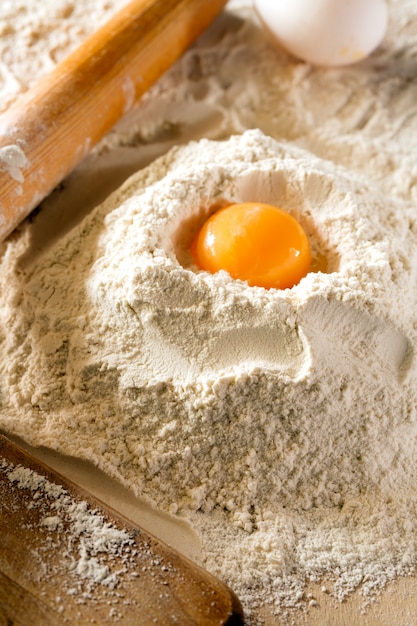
(281, 424)
(89, 538)
(13, 160)
(91, 565)
(34, 36)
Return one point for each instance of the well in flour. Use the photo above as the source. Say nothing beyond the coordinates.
(279, 422)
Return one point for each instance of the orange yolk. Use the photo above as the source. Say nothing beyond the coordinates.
(255, 242)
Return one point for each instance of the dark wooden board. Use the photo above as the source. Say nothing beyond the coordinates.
(39, 585)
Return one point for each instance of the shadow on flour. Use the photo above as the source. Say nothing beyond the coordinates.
(354, 340)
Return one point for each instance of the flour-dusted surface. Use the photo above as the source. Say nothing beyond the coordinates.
(36, 35)
(281, 424)
(66, 558)
(89, 538)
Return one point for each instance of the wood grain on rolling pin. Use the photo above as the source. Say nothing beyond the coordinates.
(54, 125)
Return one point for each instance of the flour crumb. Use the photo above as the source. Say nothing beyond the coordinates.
(13, 160)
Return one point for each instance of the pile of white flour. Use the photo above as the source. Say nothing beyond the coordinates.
(281, 423)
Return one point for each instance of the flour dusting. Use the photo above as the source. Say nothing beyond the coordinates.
(89, 538)
(35, 36)
(12, 161)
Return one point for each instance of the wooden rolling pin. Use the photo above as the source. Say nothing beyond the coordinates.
(54, 125)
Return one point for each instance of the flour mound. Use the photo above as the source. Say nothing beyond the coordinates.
(285, 418)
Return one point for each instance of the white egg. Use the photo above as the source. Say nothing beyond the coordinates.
(325, 32)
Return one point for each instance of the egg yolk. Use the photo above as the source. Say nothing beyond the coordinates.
(255, 242)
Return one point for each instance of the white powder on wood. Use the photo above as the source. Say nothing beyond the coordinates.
(282, 424)
(88, 535)
(12, 161)
(82, 555)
